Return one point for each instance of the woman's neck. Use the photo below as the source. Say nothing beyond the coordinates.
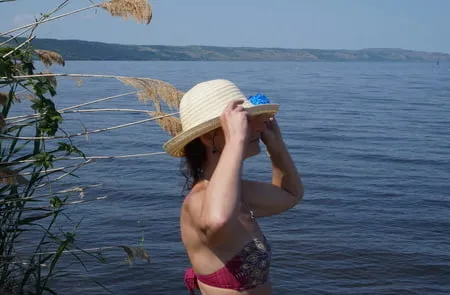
(212, 159)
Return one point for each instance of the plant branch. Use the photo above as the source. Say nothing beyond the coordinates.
(15, 36)
(105, 110)
(24, 117)
(53, 170)
(32, 27)
(49, 182)
(18, 47)
(48, 19)
(89, 158)
(50, 208)
(87, 132)
(77, 190)
(99, 249)
(66, 75)
(98, 100)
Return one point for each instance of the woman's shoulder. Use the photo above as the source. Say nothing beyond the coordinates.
(194, 198)
(190, 218)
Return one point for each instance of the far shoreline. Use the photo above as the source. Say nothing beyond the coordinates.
(78, 50)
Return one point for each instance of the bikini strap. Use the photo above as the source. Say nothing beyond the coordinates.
(190, 280)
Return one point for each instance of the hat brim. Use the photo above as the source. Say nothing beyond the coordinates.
(175, 146)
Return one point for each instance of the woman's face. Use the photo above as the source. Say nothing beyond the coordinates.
(256, 127)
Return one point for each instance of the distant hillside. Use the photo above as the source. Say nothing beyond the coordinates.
(86, 50)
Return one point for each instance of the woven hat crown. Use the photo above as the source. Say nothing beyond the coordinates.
(206, 101)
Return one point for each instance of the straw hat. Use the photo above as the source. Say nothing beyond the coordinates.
(201, 107)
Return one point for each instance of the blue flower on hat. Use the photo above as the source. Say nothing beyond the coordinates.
(259, 99)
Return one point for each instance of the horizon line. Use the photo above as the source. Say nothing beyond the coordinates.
(255, 47)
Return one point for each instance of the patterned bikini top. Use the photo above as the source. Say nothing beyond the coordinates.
(246, 270)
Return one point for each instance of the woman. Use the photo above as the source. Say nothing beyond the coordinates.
(220, 129)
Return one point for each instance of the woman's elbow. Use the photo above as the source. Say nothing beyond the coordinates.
(301, 192)
(298, 195)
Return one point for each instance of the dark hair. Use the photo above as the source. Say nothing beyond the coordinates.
(192, 166)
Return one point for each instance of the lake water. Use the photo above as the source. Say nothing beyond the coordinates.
(371, 141)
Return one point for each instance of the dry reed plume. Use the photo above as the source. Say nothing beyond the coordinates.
(2, 122)
(138, 9)
(168, 123)
(79, 81)
(154, 90)
(11, 177)
(3, 98)
(29, 96)
(48, 58)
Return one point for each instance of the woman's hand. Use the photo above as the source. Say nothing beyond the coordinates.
(271, 136)
(234, 122)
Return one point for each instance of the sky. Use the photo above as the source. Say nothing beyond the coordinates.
(324, 24)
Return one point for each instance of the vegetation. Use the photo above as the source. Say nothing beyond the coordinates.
(36, 154)
(85, 50)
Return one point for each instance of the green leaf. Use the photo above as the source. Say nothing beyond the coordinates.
(70, 149)
(49, 290)
(50, 117)
(6, 49)
(32, 219)
(44, 159)
(135, 252)
(12, 149)
(56, 202)
(6, 66)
